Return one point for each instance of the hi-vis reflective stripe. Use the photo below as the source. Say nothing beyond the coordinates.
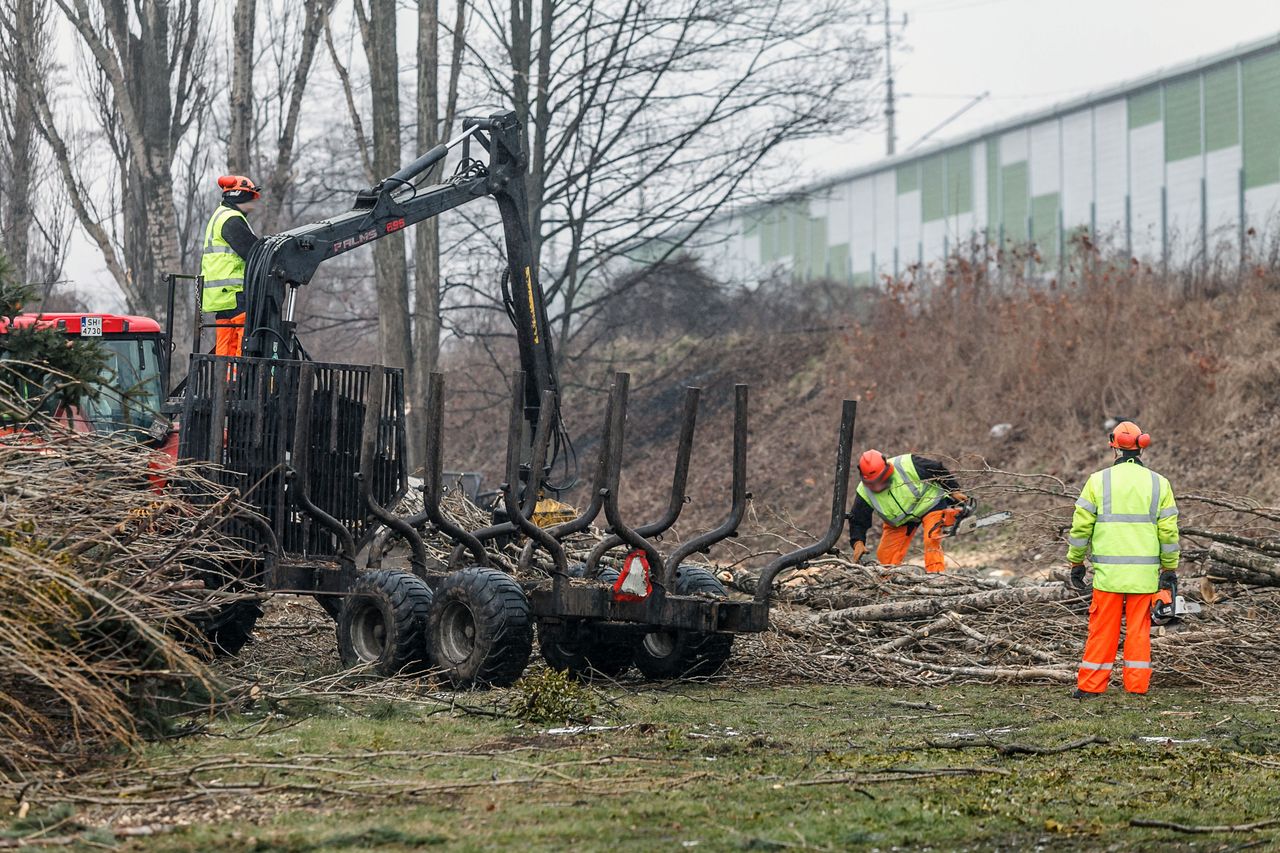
(1125, 561)
(912, 485)
(1087, 506)
(1084, 664)
(1129, 518)
(1137, 664)
(215, 227)
(1168, 511)
(1077, 543)
(222, 282)
(1170, 548)
(220, 250)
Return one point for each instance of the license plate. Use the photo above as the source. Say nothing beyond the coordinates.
(90, 327)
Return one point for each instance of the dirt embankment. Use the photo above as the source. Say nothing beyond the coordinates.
(936, 362)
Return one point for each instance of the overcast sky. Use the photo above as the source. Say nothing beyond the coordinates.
(1028, 54)
(1031, 54)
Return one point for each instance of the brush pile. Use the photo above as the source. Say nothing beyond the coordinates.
(99, 608)
(841, 621)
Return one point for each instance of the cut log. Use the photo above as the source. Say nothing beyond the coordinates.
(1243, 566)
(923, 608)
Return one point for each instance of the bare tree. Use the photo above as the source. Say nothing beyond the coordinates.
(295, 28)
(243, 23)
(149, 59)
(647, 119)
(377, 19)
(33, 213)
(432, 127)
(24, 55)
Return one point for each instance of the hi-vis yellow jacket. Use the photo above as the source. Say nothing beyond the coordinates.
(222, 268)
(1127, 520)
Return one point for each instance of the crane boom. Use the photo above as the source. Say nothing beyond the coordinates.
(281, 263)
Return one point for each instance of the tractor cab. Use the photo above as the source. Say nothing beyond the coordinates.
(132, 388)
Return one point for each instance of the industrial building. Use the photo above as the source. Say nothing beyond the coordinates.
(1176, 166)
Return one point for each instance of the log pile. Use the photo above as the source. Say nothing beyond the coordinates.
(844, 622)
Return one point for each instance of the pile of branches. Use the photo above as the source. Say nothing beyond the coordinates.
(842, 621)
(97, 631)
(504, 552)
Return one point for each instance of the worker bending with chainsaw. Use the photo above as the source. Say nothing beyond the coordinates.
(227, 241)
(1127, 521)
(907, 492)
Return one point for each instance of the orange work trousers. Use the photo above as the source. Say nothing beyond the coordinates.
(894, 541)
(230, 335)
(1105, 613)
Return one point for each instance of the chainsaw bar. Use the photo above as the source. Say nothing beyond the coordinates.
(968, 525)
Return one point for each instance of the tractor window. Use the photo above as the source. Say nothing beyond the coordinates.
(130, 388)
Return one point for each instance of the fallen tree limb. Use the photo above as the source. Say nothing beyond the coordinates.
(1204, 830)
(898, 776)
(926, 607)
(1270, 545)
(1020, 748)
(990, 673)
(918, 634)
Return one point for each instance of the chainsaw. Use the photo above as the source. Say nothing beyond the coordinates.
(966, 522)
(1168, 606)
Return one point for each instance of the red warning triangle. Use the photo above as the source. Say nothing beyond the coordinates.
(633, 584)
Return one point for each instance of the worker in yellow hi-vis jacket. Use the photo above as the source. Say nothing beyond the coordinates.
(1126, 520)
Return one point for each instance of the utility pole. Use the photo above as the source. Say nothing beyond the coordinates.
(888, 61)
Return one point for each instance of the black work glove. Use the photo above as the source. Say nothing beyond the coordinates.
(1077, 576)
(1168, 579)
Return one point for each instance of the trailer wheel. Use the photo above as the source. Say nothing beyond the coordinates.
(230, 627)
(480, 628)
(599, 653)
(383, 622)
(227, 629)
(677, 654)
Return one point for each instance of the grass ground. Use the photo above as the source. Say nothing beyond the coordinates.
(716, 768)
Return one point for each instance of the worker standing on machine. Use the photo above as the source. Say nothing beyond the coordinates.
(227, 241)
(907, 491)
(1127, 519)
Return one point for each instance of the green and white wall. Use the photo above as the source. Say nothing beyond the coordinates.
(1173, 165)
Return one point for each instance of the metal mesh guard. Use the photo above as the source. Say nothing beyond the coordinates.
(239, 414)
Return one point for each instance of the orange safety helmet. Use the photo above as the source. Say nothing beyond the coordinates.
(238, 185)
(1127, 436)
(875, 470)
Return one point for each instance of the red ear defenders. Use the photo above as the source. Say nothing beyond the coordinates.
(1127, 436)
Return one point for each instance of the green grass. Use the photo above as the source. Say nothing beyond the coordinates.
(711, 768)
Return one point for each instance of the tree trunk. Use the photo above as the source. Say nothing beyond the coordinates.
(426, 238)
(242, 55)
(21, 57)
(390, 278)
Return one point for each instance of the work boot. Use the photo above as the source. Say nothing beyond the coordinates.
(1084, 694)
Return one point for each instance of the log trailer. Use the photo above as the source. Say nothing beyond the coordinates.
(318, 451)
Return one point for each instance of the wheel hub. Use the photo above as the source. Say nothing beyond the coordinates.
(457, 638)
(368, 633)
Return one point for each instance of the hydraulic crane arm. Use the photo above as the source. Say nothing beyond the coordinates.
(281, 263)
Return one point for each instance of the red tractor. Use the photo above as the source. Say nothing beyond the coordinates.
(132, 389)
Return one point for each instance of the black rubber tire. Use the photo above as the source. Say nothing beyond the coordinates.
(229, 628)
(480, 628)
(601, 653)
(680, 654)
(383, 622)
